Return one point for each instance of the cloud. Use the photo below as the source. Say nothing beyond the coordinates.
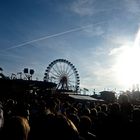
(101, 72)
(91, 7)
(95, 71)
(98, 76)
(83, 7)
(118, 50)
(132, 6)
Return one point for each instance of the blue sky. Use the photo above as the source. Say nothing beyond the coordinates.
(89, 33)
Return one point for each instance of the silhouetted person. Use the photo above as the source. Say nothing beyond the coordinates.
(15, 128)
(52, 127)
(134, 131)
(85, 128)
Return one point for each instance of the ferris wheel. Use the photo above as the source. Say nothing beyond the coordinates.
(64, 74)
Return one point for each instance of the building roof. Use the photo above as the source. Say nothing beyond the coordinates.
(84, 97)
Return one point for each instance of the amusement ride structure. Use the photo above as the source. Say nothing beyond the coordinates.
(64, 74)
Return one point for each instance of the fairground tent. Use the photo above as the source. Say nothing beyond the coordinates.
(84, 97)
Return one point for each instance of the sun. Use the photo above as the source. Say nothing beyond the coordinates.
(128, 64)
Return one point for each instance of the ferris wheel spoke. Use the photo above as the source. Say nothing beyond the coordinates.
(58, 68)
(72, 78)
(62, 72)
(69, 75)
(56, 71)
(69, 71)
(71, 85)
(64, 68)
(61, 67)
(67, 68)
(54, 77)
(54, 74)
(72, 81)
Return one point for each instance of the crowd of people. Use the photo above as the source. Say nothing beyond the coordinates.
(47, 116)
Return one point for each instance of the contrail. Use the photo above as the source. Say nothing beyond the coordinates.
(50, 36)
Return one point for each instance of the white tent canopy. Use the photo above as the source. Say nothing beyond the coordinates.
(84, 97)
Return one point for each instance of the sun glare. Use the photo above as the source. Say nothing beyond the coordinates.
(128, 64)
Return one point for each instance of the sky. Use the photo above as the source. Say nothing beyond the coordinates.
(97, 36)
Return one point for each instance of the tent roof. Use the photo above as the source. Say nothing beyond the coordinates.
(84, 97)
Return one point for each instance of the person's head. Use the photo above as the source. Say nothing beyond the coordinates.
(52, 127)
(16, 128)
(85, 124)
(65, 128)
